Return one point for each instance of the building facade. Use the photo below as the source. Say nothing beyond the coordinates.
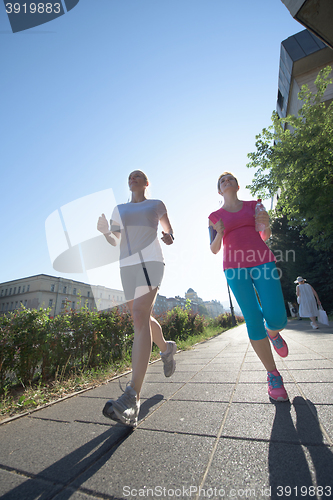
(161, 304)
(316, 15)
(302, 56)
(58, 294)
(214, 308)
(62, 294)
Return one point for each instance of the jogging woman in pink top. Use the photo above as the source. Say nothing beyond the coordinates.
(250, 270)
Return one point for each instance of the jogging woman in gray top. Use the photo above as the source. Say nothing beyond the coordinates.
(134, 226)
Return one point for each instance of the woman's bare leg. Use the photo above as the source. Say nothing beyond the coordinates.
(157, 334)
(140, 309)
(264, 352)
(314, 321)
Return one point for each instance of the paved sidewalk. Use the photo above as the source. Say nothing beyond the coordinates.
(210, 426)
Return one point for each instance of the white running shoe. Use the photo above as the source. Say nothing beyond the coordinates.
(125, 409)
(168, 358)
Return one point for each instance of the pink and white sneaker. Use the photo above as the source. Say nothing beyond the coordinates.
(276, 388)
(279, 345)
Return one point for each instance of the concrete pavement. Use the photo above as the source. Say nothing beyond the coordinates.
(210, 431)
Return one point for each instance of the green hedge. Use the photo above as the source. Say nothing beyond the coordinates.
(34, 345)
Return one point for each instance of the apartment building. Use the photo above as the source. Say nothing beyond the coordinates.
(302, 56)
(214, 308)
(62, 294)
(316, 15)
(56, 293)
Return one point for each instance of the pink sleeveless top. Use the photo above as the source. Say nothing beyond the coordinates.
(242, 244)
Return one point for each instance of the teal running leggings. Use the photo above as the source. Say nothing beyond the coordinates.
(244, 282)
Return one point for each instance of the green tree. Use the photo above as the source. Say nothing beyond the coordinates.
(294, 156)
(295, 258)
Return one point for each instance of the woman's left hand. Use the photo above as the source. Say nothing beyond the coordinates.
(262, 218)
(167, 238)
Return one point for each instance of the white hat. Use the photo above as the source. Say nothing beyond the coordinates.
(299, 279)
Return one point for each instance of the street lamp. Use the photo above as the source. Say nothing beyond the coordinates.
(234, 323)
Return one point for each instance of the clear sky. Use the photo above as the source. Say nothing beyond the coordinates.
(176, 88)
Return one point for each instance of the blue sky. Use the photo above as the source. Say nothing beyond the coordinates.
(176, 88)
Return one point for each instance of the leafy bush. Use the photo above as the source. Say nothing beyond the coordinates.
(34, 345)
(28, 334)
(7, 350)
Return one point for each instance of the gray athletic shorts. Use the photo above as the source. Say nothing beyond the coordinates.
(149, 274)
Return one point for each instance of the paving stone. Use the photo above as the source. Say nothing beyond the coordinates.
(55, 451)
(204, 392)
(149, 460)
(69, 450)
(14, 486)
(189, 417)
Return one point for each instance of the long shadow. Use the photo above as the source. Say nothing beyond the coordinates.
(289, 472)
(321, 455)
(78, 466)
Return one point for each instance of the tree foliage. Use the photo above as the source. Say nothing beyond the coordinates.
(294, 158)
(295, 258)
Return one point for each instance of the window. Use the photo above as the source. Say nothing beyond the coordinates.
(50, 302)
(16, 304)
(14, 290)
(280, 99)
(74, 291)
(100, 295)
(3, 307)
(11, 306)
(10, 291)
(52, 288)
(88, 294)
(25, 303)
(2, 292)
(19, 290)
(73, 305)
(23, 289)
(65, 289)
(28, 288)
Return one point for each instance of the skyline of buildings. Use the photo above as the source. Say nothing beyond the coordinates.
(63, 294)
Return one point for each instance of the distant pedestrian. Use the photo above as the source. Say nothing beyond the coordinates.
(134, 225)
(308, 301)
(251, 272)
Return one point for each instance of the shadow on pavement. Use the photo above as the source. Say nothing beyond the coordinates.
(321, 455)
(289, 472)
(149, 403)
(78, 465)
(305, 327)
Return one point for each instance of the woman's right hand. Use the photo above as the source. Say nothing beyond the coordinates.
(103, 225)
(219, 227)
(216, 244)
